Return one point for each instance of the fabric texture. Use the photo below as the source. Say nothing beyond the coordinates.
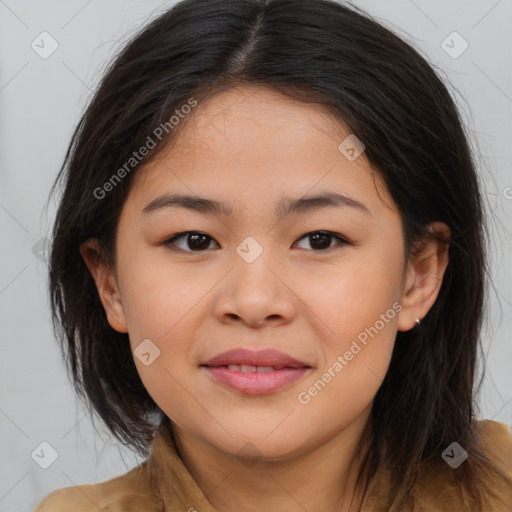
(163, 483)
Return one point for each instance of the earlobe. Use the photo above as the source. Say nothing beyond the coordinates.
(425, 271)
(106, 283)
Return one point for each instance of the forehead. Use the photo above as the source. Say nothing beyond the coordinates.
(251, 143)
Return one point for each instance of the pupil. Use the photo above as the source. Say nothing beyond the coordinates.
(323, 238)
(198, 246)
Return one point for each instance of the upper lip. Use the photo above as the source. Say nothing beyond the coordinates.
(265, 357)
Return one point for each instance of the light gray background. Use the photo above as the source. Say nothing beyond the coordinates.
(40, 103)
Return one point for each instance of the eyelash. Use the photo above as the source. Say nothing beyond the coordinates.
(170, 241)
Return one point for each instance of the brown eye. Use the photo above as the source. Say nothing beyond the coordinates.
(193, 241)
(322, 240)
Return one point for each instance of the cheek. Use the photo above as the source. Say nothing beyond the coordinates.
(358, 305)
(356, 354)
(353, 295)
(159, 297)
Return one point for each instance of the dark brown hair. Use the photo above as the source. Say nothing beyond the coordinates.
(390, 98)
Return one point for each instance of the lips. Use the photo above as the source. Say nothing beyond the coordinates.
(255, 372)
(263, 360)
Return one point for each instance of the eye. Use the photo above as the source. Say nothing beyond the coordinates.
(321, 240)
(195, 241)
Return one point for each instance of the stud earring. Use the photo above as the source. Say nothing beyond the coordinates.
(418, 320)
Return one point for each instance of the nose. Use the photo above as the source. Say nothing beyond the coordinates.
(256, 294)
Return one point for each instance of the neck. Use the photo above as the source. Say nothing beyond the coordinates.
(321, 478)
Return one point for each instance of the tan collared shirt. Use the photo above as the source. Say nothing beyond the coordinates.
(163, 483)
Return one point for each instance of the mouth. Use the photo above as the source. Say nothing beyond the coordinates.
(249, 368)
(255, 372)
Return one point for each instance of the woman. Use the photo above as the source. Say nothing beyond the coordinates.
(268, 270)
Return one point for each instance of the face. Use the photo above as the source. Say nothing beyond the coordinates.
(268, 268)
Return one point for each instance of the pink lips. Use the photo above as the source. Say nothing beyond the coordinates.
(255, 372)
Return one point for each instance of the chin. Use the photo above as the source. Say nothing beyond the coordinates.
(257, 444)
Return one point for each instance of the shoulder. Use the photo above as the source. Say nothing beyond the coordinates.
(125, 493)
(68, 498)
(438, 489)
(496, 438)
(496, 441)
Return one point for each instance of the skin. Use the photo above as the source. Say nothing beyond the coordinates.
(250, 147)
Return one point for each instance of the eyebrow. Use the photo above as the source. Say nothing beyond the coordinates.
(287, 206)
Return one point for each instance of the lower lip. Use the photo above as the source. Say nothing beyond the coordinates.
(255, 383)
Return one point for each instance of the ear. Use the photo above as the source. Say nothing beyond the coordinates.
(106, 283)
(425, 271)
